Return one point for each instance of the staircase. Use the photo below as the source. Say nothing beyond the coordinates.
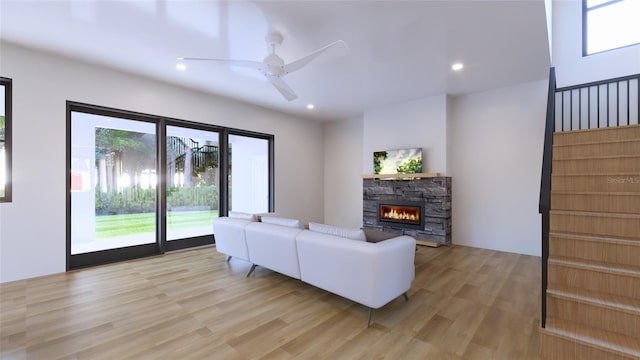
(593, 269)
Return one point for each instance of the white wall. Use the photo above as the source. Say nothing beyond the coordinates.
(497, 157)
(571, 67)
(343, 171)
(419, 123)
(548, 10)
(490, 142)
(32, 227)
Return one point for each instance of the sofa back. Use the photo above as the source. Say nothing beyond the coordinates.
(369, 273)
(274, 247)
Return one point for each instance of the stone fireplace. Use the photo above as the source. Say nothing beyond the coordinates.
(419, 207)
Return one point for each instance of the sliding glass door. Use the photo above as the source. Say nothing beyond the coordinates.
(192, 186)
(141, 184)
(113, 184)
(249, 174)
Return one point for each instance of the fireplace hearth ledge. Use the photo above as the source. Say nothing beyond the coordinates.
(401, 176)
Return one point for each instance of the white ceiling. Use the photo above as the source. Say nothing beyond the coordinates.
(399, 50)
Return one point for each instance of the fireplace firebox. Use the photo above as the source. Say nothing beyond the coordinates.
(405, 215)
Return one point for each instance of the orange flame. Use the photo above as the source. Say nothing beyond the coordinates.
(400, 213)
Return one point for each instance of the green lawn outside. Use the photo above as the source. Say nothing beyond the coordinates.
(119, 225)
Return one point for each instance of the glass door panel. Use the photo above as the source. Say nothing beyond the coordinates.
(248, 174)
(113, 183)
(3, 127)
(192, 172)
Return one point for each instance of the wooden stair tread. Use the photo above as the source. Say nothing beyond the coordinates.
(602, 157)
(627, 173)
(592, 238)
(614, 128)
(597, 142)
(611, 301)
(589, 336)
(613, 193)
(620, 128)
(595, 214)
(595, 266)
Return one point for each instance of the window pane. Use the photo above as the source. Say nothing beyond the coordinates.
(248, 174)
(592, 3)
(3, 169)
(613, 26)
(192, 182)
(113, 183)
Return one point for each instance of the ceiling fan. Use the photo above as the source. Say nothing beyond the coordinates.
(274, 68)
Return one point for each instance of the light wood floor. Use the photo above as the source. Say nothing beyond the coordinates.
(466, 303)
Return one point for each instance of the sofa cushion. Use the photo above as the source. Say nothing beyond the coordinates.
(292, 223)
(242, 215)
(348, 233)
(259, 216)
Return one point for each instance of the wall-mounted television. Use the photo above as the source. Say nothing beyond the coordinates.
(401, 161)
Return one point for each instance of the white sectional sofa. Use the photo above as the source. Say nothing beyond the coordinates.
(334, 259)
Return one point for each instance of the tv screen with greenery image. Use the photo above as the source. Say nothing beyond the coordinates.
(402, 161)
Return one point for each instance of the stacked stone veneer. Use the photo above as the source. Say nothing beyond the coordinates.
(434, 193)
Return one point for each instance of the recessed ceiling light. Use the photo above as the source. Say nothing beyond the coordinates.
(457, 66)
(310, 106)
(181, 66)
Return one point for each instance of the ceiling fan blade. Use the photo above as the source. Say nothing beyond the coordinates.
(243, 63)
(283, 88)
(339, 47)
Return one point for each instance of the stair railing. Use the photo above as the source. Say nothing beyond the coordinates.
(599, 104)
(545, 187)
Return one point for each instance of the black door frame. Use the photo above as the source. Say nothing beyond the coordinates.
(161, 245)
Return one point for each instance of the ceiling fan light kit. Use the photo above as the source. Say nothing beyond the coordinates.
(273, 66)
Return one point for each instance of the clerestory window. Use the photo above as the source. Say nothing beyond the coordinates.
(609, 24)
(5, 139)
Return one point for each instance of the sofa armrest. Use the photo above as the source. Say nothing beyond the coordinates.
(368, 273)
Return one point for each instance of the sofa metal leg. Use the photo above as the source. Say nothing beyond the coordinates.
(406, 297)
(229, 258)
(253, 267)
(369, 321)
